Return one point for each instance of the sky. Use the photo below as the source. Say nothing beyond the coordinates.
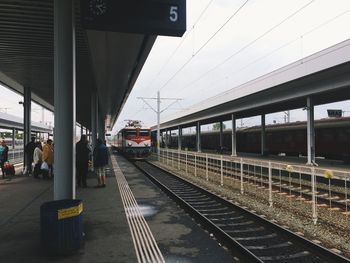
(227, 43)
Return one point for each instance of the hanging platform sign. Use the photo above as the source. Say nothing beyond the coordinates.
(153, 17)
(335, 113)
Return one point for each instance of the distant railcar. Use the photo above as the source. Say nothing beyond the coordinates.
(8, 141)
(332, 139)
(133, 141)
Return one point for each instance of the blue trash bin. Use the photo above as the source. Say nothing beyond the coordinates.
(61, 226)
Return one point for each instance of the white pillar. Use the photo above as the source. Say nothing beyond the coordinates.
(93, 119)
(166, 138)
(221, 136)
(64, 98)
(13, 138)
(198, 137)
(233, 136)
(310, 132)
(242, 182)
(270, 185)
(313, 196)
(158, 125)
(101, 129)
(169, 138)
(221, 171)
(263, 135)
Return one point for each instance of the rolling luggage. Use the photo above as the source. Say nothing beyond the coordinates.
(9, 169)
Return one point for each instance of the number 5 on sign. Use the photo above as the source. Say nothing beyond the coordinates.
(173, 14)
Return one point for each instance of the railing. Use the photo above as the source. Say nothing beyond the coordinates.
(16, 155)
(293, 182)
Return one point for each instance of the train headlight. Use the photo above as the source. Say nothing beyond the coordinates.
(129, 144)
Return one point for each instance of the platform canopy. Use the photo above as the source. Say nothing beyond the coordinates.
(107, 62)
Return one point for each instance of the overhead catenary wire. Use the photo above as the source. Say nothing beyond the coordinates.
(272, 52)
(247, 45)
(180, 43)
(204, 45)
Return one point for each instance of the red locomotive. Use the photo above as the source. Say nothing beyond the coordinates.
(133, 141)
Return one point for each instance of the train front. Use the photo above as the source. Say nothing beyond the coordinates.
(137, 143)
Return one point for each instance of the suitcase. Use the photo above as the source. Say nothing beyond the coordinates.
(9, 169)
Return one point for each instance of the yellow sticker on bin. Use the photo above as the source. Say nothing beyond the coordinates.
(70, 212)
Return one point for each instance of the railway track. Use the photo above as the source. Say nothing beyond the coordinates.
(250, 237)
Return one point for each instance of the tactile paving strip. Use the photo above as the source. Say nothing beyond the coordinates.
(145, 245)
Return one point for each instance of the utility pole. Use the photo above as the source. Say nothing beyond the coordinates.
(158, 111)
(158, 125)
(286, 116)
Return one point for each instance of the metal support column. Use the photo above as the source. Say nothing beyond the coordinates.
(93, 120)
(27, 103)
(221, 136)
(233, 136)
(263, 135)
(101, 129)
(166, 138)
(270, 185)
(179, 138)
(13, 138)
(198, 137)
(97, 118)
(158, 125)
(310, 132)
(169, 138)
(64, 98)
(81, 130)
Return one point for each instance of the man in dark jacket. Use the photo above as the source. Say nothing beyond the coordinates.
(29, 151)
(100, 162)
(4, 150)
(82, 161)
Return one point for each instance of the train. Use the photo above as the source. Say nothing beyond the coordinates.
(8, 141)
(133, 141)
(332, 139)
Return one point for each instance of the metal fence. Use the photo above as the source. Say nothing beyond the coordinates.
(16, 156)
(317, 187)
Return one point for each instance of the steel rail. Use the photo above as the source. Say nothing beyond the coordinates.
(233, 243)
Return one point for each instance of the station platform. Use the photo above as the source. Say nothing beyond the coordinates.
(302, 160)
(108, 237)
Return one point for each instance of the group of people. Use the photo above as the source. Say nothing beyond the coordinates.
(41, 156)
(83, 157)
(4, 150)
(43, 159)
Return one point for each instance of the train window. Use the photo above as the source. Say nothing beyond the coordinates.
(144, 133)
(130, 133)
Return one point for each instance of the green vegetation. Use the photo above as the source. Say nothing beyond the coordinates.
(216, 126)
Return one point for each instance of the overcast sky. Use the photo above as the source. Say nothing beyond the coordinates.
(227, 43)
(261, 37)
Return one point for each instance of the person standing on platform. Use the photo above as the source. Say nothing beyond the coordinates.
(37, 158)
(4, 150)
(48, 158)
(82, 160)
(29, 151)
(100, 162)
